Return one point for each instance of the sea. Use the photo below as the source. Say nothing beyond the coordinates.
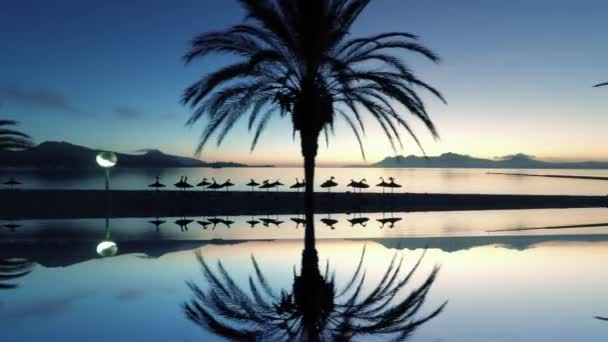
(501, 275)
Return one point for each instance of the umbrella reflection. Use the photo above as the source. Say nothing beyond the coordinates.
(315, 309)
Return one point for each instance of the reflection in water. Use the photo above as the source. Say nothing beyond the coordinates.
(299, 222)
(315, 309)
(391, 220)
(357, 219)
(12, 226)
(11, 269)
(183, 223)
(157, 222)
(328, 221)
(107, 247)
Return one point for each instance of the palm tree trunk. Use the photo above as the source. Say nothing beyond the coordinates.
(309, 151)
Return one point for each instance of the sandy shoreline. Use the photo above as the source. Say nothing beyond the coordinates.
(50, 204)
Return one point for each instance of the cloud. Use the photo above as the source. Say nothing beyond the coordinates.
(40, 98)
(127, 112)
(133, 113)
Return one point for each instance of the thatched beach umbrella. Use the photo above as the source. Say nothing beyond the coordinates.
(227, 184)
(214, 185)
(252, 184)
(392, 185)
(330, 183)
(204, 183)
(382, 184)
(298, 185)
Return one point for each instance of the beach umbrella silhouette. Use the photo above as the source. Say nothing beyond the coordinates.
(227, 184)
(392, 185)
(252, 222)
(181, 184)
(352, 184)
(329, 221)
(157, 222)
(358, 221)
(11, 226)
(298, 185)
(388, 220)
(215, 221)
(214, 185)
(12, 182)
(204, 224)
(266, 185)
(227, 222)
(299, 221)
(204, 183)
(252, 184)
(277, 183)
(183, 224)
(156, 185)
(328, 184)
(361, 184)
(382, 184)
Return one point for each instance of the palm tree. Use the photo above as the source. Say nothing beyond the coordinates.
(11, 139)
(11, 269)
(315, 309)
(601, 84)
(298, 61)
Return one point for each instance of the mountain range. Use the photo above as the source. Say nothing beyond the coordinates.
(454, 160)
(53, 154)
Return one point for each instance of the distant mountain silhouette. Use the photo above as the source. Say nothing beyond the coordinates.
(454, 160)
(459, 243)
(52, 154)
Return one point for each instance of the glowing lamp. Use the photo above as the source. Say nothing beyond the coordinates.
(107, 249)
(107, 159)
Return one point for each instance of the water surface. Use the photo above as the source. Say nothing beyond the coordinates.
(541, 285)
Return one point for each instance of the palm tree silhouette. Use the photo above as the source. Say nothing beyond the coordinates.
(298, 62)
(316, 309)
(11, 269)
(11, 139)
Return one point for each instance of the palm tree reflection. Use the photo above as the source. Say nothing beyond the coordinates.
(315, 309)
(11, 269)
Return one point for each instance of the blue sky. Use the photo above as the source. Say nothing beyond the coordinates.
(108, 74)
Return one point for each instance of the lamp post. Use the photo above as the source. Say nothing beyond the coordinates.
(107, 160)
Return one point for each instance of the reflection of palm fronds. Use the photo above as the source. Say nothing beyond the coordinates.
(315, 310)
(12, 269)
(11, 139)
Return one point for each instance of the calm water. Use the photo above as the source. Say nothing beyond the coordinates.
(413, 180)
(538, 285)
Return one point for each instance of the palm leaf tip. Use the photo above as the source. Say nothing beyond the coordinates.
(600, 84)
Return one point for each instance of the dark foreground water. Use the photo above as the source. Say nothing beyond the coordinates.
(535, 285)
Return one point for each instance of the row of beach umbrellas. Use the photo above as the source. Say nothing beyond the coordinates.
(268, 221)
(183, 184)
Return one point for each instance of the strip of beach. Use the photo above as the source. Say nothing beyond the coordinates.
(75, 204)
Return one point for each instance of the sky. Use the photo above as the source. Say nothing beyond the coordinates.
(517, 75)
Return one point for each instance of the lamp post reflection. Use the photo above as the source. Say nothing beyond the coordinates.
(107, 247)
